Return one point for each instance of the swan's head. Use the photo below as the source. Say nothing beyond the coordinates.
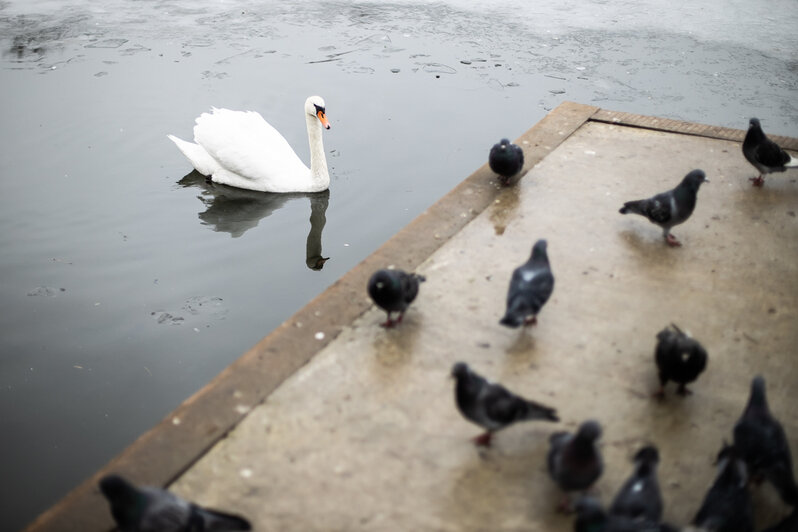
(314, 106)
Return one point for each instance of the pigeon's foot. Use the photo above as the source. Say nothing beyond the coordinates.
(757, 181)
(672, 241)
(389, 323)
(531, 320)
(505, 181)
(483, 440)
(683, 390)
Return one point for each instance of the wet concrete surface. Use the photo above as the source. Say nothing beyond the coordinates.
(108, 252)
(367, 437)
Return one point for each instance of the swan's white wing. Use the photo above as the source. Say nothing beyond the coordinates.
(249, 149)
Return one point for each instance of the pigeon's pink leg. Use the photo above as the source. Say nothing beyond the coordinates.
(483, 440)
(659, 394)
(389, 323)
(531, 321)
(683, 390)
(672, 241)
(757, 181)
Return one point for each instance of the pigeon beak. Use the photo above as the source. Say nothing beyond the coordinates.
(706, 180)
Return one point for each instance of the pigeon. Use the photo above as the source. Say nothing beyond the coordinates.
(574, 461)
(766, 156)
(591, 517)
(506, 159)
(788, 524)
(393, 291)
(727, 505)
(762, 444)
(530, 287)
(669, 208)
(639, 499)
(679, 358)
(148, 509)
(492, 406)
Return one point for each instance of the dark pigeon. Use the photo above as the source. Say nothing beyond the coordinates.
(679, 358)
(591, 517)
(762, 444)
(639, 498)
(766, 156)
(492, 406)
(506, 159)
(148, 509)
(727, 505)
(788, 524)
(530, 287)
(669, 208)
(574, 461)
(393, 291)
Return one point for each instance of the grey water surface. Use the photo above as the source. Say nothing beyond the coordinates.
(128, 282)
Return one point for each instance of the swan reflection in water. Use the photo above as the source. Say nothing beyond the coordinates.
(236, 210)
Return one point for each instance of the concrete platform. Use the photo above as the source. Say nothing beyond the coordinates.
(333, 423)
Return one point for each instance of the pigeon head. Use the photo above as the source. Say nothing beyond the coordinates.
(114, 487)
(648, 454)
(539, 250)
(758, 397)
(694, 179)
(460, 370)
(754, 122)
(504, 143)
(589, 431)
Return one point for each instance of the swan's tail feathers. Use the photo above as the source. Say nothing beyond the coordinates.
(200, 159)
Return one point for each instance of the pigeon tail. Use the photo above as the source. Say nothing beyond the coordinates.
(538, 411)
(514, 317)
(634, 207)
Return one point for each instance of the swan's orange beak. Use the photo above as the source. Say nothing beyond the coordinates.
(323, 119)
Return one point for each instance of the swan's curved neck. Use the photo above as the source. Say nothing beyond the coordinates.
(318, 161)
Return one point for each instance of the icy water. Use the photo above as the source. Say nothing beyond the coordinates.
(128, 283)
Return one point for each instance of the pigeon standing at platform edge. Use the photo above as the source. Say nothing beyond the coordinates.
(766, 156)
(492, 406)
(669, 208)
(762, 443)
(639, 498)
(506, 159)
(679, 358)
(150, 509)
(393, 291)
(530, 287)
(727, 504)
(574, 461)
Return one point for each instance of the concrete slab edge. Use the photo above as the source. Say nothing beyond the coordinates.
(686, 128)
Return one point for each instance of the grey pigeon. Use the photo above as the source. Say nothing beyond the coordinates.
(393, 291)
(492, 406)
(669, 208)
(639, 498)
(679, 358)
(591, 517)
(530, 287)
(762, 443)
(506, 159)
(148, 509)
(727, 505)
(574, 461)
(766, 156)
(788, 524)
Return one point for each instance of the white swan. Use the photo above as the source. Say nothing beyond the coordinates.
(241, 149)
